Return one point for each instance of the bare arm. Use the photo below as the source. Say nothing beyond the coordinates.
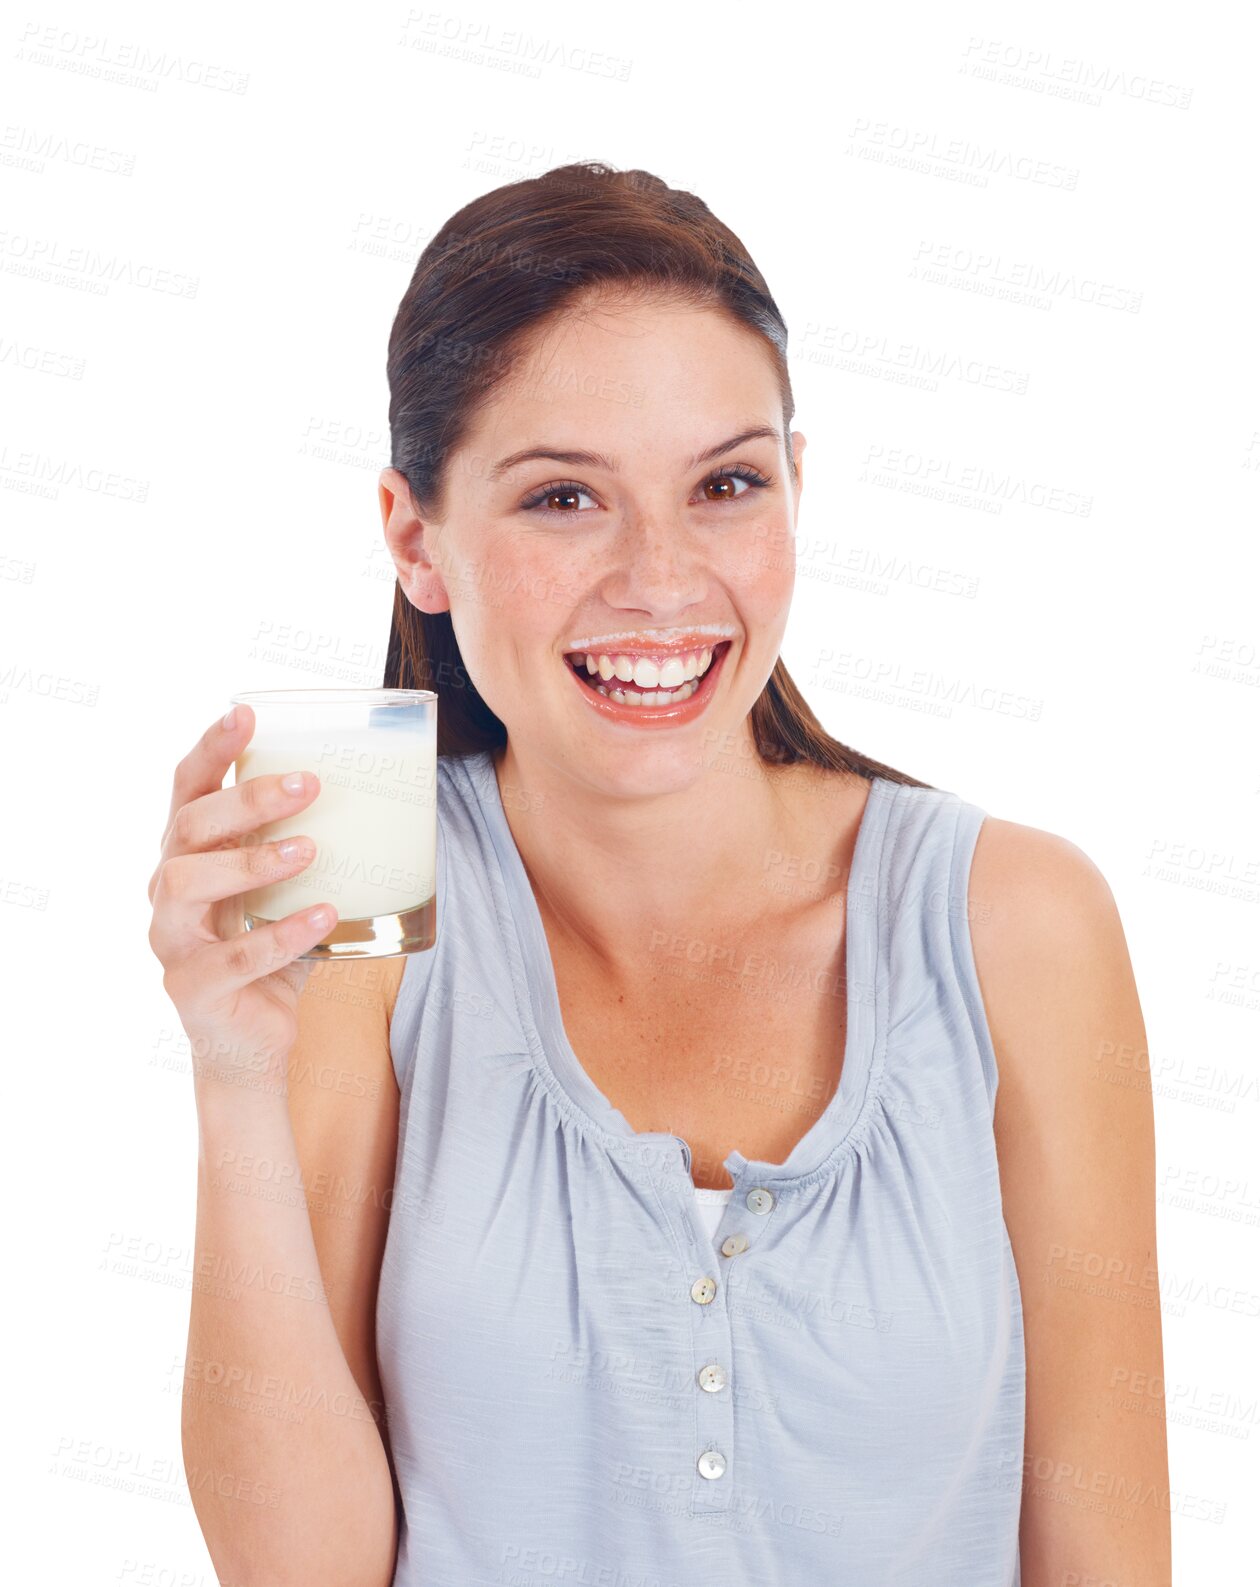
(287, 1462)
(1076, 1149)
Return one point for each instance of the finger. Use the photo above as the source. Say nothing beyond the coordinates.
(227, 814)
(188, 884)
(230, 964)
(204, 767)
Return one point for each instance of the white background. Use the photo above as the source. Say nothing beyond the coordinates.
(209, 219)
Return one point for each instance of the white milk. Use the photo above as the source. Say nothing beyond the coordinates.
(373, 822)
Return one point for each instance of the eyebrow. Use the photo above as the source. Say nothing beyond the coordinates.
(755, 432)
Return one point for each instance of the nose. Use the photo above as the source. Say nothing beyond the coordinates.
(657, 568)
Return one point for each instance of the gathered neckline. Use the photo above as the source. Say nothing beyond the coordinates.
(864, 994)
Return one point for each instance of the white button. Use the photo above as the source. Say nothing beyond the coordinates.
(712, 1463)
(759, 1200)
(734, 1244)
(711, 1378)
(703, 1290)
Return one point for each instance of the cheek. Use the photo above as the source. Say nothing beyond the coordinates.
(761, 564)
(509, 586)
(504, 615)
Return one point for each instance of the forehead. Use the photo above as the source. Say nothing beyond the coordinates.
(606, 374)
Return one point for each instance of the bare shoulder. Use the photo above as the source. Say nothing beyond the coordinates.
(1046, 936)
(1054, 972)
(1037, 883)
(350, 1000)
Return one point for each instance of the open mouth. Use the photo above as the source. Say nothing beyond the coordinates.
(649, 684)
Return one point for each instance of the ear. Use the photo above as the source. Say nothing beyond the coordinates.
(411, 543)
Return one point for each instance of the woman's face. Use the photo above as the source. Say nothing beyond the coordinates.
(645, 558)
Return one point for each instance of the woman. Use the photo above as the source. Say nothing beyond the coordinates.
(665, 1221)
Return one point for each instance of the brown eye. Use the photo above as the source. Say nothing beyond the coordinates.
(560, 496)
(542, 500)
(726, 481)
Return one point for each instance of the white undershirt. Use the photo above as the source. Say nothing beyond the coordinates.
(710, 1203)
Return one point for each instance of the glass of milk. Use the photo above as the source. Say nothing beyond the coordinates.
(373, 822)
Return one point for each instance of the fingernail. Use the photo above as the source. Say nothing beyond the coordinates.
(229, 721)
(294, 783)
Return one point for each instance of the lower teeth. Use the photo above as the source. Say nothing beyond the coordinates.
(650, 697)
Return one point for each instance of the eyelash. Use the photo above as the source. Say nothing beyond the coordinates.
(756, 479)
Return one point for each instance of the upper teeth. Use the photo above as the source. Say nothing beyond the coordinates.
(646, 673)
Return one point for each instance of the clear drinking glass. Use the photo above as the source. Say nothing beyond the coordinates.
(373, 822)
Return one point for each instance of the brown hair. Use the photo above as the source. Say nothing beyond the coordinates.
(482, 287)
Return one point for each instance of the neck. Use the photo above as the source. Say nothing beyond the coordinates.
(632, 878)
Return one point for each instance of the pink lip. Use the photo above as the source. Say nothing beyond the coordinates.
(648, 717)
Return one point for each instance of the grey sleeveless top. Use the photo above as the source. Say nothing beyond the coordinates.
(582, 1386)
